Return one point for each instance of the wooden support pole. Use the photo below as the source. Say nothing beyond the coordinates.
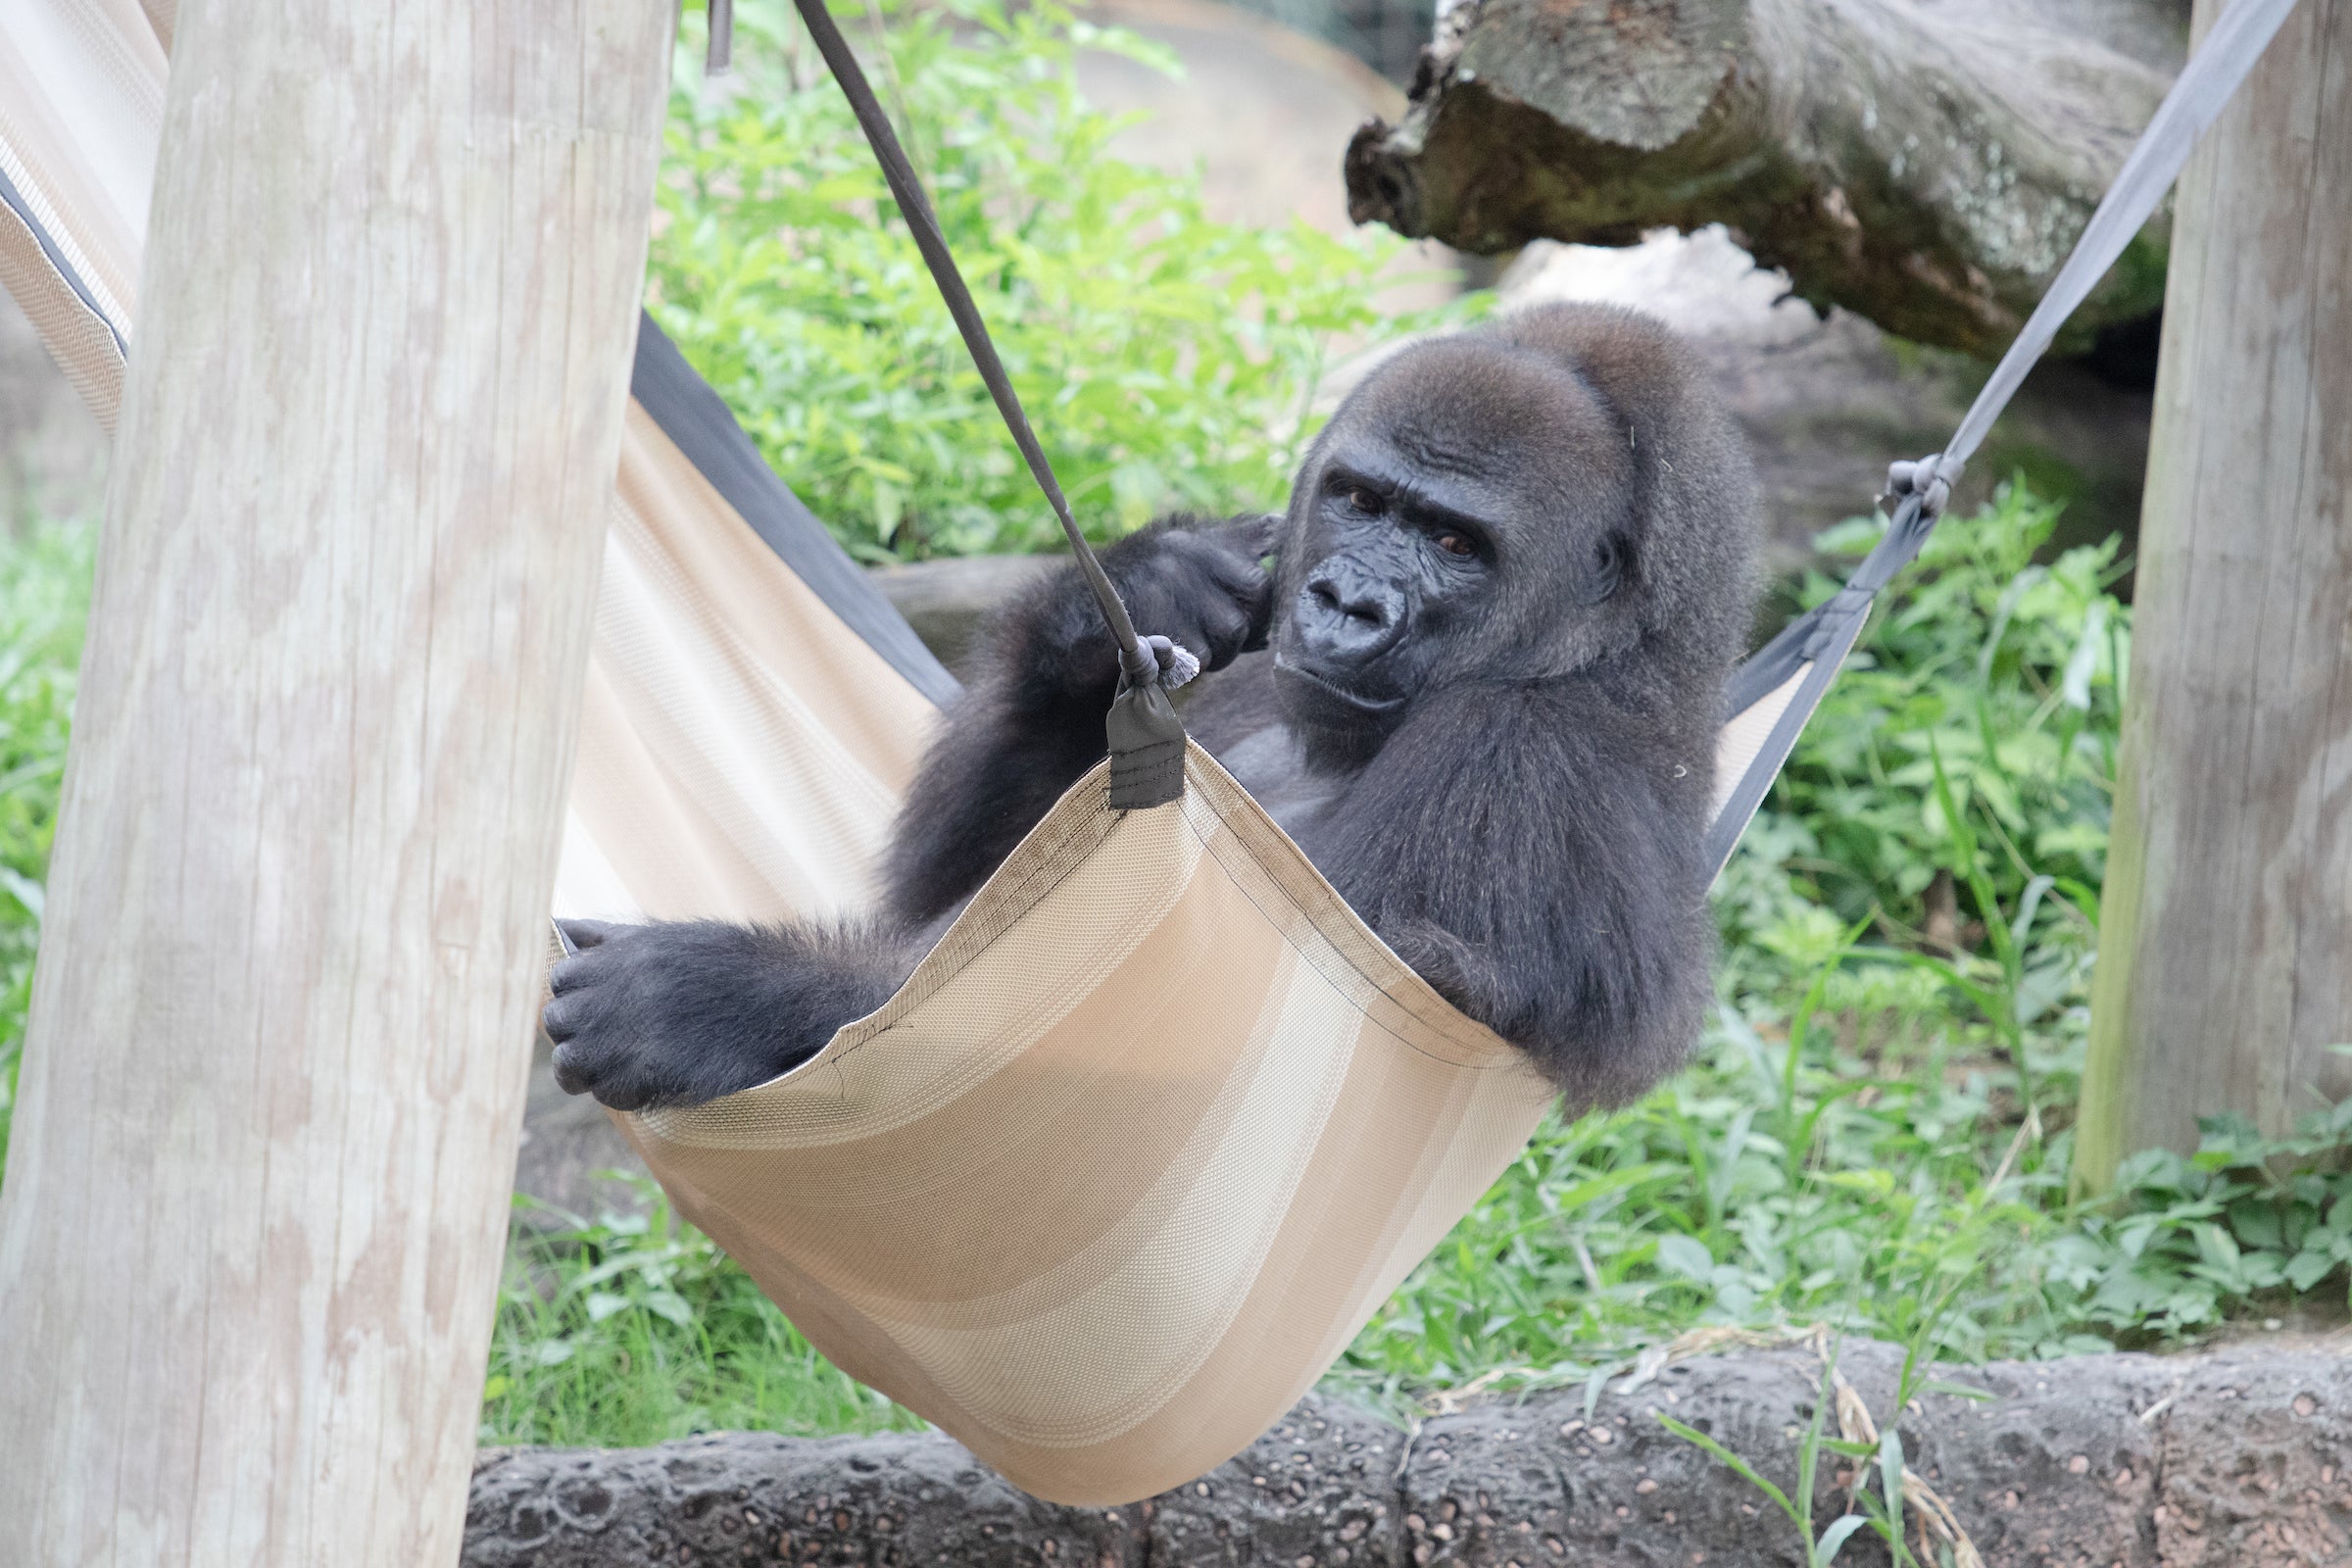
(256, 1204)
(2225, 950)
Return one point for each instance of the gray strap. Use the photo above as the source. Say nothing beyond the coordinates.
(1825, 634)
(718, 55)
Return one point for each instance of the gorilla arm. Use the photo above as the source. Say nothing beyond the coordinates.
(1530, 850)
(1031, 721)
(682, 1011)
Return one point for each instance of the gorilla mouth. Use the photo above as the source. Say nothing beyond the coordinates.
(1354, 699)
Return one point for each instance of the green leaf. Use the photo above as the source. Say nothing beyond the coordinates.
(1737, 1466)
(669, 1304)
(1685, 1255)
(1834, 1538)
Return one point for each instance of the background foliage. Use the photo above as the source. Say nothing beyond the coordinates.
(1166, 360)
(44, 601)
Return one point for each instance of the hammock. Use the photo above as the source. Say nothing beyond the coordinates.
(1159, 1124)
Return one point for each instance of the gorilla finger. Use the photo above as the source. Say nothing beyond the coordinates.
(1226, 631)
(570, 974)
(569, 1076)
(563, 1018)
(577, 1074)
(1252, 537)
(585, 934)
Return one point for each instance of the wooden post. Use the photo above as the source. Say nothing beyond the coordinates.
(256, 1204)
(2226, 952)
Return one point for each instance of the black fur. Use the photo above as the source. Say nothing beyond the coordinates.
(1512, 580)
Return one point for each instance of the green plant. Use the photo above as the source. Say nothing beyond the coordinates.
(1875, 1450)
(632, 1328)
(1167, 359)
(2245, 1224)
(1817, 1550)
(44, 601)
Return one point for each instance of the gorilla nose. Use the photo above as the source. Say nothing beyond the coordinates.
(1347, 616)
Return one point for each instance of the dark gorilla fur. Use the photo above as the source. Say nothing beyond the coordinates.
(1482, 691)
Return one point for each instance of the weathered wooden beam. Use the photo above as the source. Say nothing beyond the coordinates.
(1928, 166)
(257, 1195)
(2225, 972)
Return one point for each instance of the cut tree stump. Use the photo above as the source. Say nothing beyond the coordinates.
(1926, 165)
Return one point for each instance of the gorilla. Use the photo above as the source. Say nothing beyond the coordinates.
(1480, 688)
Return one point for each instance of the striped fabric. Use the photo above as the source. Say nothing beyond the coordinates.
(1142, 1143)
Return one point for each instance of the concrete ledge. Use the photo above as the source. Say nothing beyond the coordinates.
(2238, 1457)
(945, 601)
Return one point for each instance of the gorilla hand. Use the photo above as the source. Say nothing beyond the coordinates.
(678, 1013)
(1201, 588)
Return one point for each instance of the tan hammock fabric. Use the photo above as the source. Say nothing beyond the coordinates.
(1140, 1147)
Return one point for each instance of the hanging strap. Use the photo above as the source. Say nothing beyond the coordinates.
(1818, 641)
(1145, 738)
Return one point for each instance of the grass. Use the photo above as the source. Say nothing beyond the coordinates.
(635, 1327)
(44, 601)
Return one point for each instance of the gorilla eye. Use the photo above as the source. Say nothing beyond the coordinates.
(1454, 544)
(1366, 501)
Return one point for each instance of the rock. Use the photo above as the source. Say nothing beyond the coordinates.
(1264, 111)
(1318, 1488)
(1828, 401)
(896, 1499)
(569, 1142)
(2237, 1457)
(2257, 1463)
(945, 600)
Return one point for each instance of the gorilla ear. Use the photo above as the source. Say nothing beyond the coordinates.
(1608, 568)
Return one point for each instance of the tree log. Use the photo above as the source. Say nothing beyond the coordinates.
(1928, 166)
(256, 1196)
(2140, 1461)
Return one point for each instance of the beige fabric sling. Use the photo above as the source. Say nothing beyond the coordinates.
(1141, 1145)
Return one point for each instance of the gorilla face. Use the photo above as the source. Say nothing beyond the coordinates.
(1466, 514)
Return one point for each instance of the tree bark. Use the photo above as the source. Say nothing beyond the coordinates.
(2225, 972)
(1927, 167)
(257, 1197)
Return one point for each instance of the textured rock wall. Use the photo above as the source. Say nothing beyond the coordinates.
(2236, 1458)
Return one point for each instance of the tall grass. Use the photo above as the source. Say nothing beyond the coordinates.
(44, 603)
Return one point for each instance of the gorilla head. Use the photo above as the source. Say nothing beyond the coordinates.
(1515, 503)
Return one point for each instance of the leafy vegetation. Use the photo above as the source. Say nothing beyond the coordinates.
(1168, 361)
(635, 1327)
(44, 600)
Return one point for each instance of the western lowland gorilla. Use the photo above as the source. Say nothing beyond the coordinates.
(1480, 688)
